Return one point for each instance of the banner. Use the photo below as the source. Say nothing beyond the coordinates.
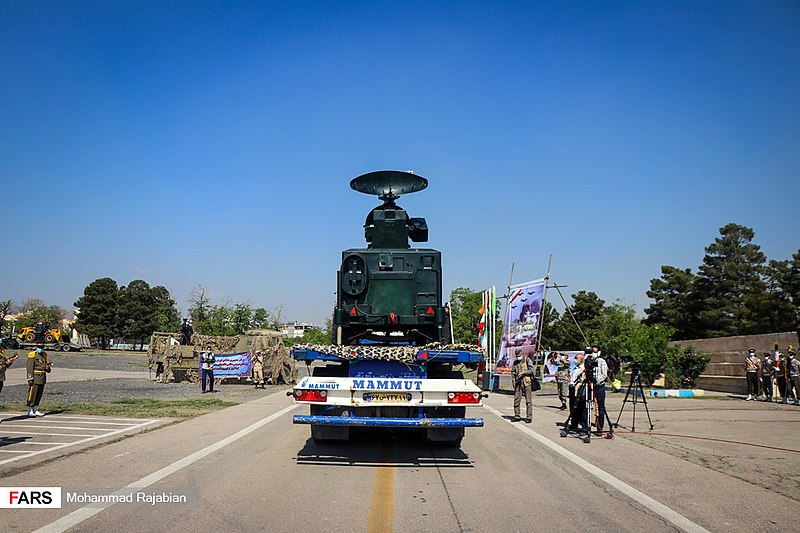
(521, 326)
(232, 365)
(550, 370)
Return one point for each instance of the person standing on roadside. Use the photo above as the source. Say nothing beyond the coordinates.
(792, 378)
(751, 368)
(258, 368)
(522, 373)
(207, 370)
(5, 362)
(37, 367)
(561, 360)
(767, 373)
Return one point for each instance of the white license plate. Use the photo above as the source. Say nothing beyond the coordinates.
(387, 397)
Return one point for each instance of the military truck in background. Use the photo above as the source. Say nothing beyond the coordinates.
(171, 362)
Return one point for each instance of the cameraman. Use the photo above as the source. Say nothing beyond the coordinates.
(577, 397)
(600, 377)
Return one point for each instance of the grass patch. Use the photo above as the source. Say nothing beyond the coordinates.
(134, 408)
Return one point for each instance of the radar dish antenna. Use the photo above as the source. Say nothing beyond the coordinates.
(388, 185)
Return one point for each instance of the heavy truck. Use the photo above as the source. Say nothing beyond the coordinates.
(391, 363)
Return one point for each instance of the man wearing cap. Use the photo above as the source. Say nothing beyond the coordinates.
(751, 369)
(522, 373)
(792, 378)
(258, 368)
(561, 360)
(767, 373)
(37, 367)
(5, 362)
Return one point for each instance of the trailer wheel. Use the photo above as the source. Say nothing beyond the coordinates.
(66, 347)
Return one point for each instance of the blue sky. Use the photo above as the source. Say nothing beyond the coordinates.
(211, 143)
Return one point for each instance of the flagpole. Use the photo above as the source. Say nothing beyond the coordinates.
(544, 299)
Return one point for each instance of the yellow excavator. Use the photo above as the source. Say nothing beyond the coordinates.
(29, 334)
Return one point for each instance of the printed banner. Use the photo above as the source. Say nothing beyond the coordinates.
(232, 365)
(521, 326)
(550, 369)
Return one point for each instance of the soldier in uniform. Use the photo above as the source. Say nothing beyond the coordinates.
(5, 362)
(792, 378)
(751, 368)
(561, 360)
(258, 368)
(767, 373)
(38, 367)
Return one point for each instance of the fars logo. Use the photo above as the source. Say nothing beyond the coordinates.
(30, 497)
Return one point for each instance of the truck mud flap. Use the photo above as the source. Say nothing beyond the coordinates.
(359, 421)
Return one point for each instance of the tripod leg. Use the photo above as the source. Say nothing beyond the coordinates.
(627, 393)
(644, 400)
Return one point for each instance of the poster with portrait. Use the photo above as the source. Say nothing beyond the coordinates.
(550, 369)
(521, 325)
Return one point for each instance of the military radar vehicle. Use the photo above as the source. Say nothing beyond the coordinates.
(390, 364)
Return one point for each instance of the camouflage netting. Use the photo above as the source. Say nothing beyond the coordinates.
(279, 367)
(406, 354)
(217, 344)
(180, 363)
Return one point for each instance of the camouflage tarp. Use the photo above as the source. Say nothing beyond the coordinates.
(405, 354)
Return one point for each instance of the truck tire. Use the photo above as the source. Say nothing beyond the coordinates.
(66, 347)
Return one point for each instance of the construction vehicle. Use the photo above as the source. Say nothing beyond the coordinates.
(49, 336)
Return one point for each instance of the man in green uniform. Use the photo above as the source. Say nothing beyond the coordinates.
(561, 360)
(38, 366)
(258, 369)
(5, 362)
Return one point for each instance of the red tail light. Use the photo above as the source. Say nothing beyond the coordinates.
(393, 318)
(311, 395)
(354, 311)
(429, 311)
(463, 397)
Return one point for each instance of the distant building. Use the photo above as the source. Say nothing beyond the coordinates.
(294, 330)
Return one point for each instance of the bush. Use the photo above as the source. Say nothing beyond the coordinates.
(684, 367)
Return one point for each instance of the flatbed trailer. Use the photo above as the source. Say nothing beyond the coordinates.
(418, 389)
(15, 344)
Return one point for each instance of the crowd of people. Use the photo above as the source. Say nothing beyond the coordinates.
(773, 373)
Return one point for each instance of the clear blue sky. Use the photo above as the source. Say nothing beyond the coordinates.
(188, 143)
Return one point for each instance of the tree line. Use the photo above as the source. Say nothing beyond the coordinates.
(735, 292)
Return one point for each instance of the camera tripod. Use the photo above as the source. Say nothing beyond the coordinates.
(635, 385)
(584, 407)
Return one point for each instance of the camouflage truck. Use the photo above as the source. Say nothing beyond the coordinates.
(172, 362)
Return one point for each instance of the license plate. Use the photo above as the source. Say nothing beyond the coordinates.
(379, 397)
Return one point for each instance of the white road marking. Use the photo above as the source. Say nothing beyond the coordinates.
(659, 508)
(88, 511)
(82, 438)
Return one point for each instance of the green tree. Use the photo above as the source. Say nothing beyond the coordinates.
(550, 318)
(464, 306)
(729, 285)
(34, 310)
(674, 302)
(199, 307)
(217, 322)
(97, 310)
(586, 309)
(166, 313)
(241, 318)
(136, 311)
(5, 309)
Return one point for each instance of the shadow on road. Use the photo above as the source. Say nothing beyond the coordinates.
(369, 448)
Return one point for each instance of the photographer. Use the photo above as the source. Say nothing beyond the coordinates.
(600, 375)
(577, 396)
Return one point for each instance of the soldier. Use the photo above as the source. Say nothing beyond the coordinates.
(767, 373)
(561, 360)
(751, 368)
(38, 367)
(792, 378)
(258, 368)
(5, 362)
(780, 376)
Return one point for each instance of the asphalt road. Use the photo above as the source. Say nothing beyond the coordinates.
(249, 468)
